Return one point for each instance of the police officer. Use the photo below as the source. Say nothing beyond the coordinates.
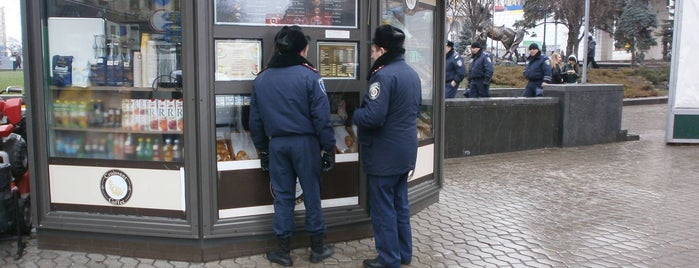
(291, 133)
(386, 121)
(455, 71)
(481, 71)
(537, 71)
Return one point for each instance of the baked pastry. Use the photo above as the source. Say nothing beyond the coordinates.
(242, 155)
(349, 141)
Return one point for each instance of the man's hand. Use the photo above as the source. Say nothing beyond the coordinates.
(328, 161)
(264, 161)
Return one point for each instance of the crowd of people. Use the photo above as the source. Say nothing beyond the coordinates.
(540, 69)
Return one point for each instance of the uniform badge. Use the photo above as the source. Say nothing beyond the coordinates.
(458, 62)
(488, 59)
(547, 62)
(374, 90)
(322, 85)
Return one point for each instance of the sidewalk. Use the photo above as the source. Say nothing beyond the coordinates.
(628, 204)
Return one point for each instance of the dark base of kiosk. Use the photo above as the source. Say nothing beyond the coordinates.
(198, 250)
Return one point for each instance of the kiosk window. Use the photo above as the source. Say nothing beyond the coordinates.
(416, 18)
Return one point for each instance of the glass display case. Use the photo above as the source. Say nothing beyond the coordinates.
(115, 113)
(115, 80)
(238, 162)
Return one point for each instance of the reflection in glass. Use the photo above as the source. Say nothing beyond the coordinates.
(418, 25)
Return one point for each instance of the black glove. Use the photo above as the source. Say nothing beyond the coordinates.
(264, 161)
(328, 161)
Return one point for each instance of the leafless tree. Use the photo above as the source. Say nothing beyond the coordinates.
(571, 14)
(475, 11)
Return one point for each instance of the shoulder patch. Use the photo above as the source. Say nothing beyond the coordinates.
(374, 90)
(547, 62)
(322, 85)
(488, 59)
(459, 62)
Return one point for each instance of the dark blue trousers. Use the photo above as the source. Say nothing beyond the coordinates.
(449, 91)
(531, 89)
(390, 217)
(478, 89)
(291, 157)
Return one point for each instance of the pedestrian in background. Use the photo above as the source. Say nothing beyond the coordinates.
(591, 47)
(556, 68)
(388, 145)
(480, 72)
(290, 127)
(537, 71)
(571, 70)
(455, 71)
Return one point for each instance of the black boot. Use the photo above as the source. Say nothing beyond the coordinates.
(281, 255)
(319, 251)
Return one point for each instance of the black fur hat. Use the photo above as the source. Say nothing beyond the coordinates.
(533, 46)
(476, 44)
(388, 37)
(291, 40)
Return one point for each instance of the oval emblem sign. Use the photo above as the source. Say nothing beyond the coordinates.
(116, 187)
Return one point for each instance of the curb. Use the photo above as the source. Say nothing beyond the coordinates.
(642, 101)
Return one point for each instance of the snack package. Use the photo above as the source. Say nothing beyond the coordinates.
(62, 68)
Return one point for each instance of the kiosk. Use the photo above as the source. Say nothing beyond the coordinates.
(139, 142)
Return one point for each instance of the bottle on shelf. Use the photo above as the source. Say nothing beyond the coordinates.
(118, 146)
(167, 151)
(128, 67)
(140, 149)
(98, 66)
(176, 151)
(82, 110)
(148, 150)
(129, 148)
(118, 65)
(156, 150)
(110, 65)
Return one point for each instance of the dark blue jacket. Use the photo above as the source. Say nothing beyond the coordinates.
(481, 67)
(538, 69)
(455, 67)
(387, 120)
(290, 101)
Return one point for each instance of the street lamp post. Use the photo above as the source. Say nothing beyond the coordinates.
(543, 45)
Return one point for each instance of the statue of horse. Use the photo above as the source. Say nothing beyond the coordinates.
(509, 38)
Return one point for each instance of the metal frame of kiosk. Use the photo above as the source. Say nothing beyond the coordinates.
(211, 201)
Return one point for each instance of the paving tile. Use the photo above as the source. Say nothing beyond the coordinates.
(627, 204)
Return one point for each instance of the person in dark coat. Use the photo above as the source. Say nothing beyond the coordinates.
(591, 48)
(455, 71)
(571, 70)
(537, 71)
(480, 72)
(387, 124)
(291, 129)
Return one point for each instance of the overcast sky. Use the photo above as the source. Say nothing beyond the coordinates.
(12, 18)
